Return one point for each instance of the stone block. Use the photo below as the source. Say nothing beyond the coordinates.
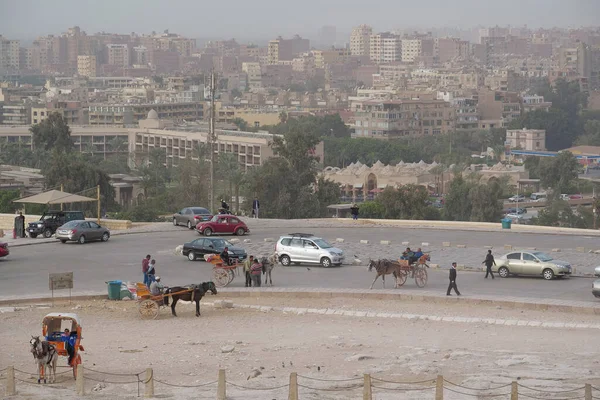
(531, 248)
(234, 240)
(364, 242)
(460, 267)
(269, 240)
(339, 240)
(556, 250)
(247, 240)
(434, 265)
(405, 243)
(425, 244)
(385, 242)
(507, 247)
(461, 246)
(580, 249)
(445, 244)
(488, 247)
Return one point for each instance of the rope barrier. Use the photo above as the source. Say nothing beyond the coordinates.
(551, 391)
(112, 373)
(545, 398)
(249, 388)
(470, 388)
(402, 383)
(476, 395)
(404, 389)
(25, 372)
(29, 383)
(114, 383)
(186, 386)
(331, 389)
(330, 380)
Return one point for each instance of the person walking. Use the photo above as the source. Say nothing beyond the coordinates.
(256, 270)
(452, 277)
(145, 265)
(255, 207)
(247, 269)
(489, 261)
(354, 211)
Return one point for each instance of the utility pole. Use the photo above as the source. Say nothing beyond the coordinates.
(212, 138)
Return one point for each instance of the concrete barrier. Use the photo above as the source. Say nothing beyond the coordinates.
(234, 240)
(339, 240)
(269, 240)
(405, 243)
(580, 249)
(507, 247)
(425, 244)
(461, 246)
(364, 242)
(532, 248)
(247, 240)
(556, 250)
(488, 247)
(385, 242)
(445, 244)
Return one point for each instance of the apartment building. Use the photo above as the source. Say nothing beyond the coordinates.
(498, 108)
(129, 114)
(385, 47)
(389, 119)
(527, 139)
(285, 49)
(16, 114)
(448, 49)
(333, 56)
(118, 54)
(73, 112)
(360, 40)
(10, 55)
(254, 73)
(535, 102)
(86, 66)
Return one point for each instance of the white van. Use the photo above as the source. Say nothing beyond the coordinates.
(542, 196)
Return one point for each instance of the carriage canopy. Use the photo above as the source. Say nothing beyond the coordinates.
(56, 322)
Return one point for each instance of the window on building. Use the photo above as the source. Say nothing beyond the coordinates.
(35, 113)
(42, 113)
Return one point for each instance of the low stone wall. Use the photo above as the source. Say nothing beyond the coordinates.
(7, 223)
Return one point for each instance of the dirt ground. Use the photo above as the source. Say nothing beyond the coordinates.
(189, 350)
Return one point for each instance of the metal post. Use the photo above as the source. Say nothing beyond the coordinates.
(149, 383)
(588, 391)
(514, 391)
(293, 392)
(212, 139)
(11, 389)
(367, 391)
(439, 388)
(98, 198)
(221, 391)
(79, 383)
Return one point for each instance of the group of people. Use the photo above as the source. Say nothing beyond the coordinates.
(411, 256)
(255, 207)
(253, 268)
(150, 278)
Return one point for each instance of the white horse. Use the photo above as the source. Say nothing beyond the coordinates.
(45, 355)
(268, 263)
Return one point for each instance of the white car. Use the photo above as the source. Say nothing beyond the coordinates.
(307, 249)
(514, 216)
(516, 198)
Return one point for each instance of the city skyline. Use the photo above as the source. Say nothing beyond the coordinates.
(29, 19)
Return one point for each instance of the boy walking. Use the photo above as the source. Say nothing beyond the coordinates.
(489, 261)
(247, 269)
(452, 277)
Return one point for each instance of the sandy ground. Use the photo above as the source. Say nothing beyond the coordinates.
(188, 350)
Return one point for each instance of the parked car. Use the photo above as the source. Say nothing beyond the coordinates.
(537, 197)
(213, 245)
(596, 284)
(191, 216)
(4, 249)
(515, 210)
(517, 197)
(531, 263)
(81, 232)
(223, 224)
(575, 197)
(514, 216)
(307, 248)
(50, 221)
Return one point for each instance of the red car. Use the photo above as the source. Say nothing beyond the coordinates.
(222, 225)
(4, 249)
(575, 197)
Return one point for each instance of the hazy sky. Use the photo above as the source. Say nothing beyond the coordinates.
(244, 19)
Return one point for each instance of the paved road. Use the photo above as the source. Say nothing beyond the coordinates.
(26, 270)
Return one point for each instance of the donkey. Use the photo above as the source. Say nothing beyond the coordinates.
(45, 355)
(195, 293)
(268, 263)
(383, 268)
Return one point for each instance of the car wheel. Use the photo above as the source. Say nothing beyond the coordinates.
(47, 233)
(207, 232)
(597, 296)
(548, 274)
(192, 256)
(189, 225)
(63, 241)
(33, 235)
(174, 222)
(105, 237)
(285, 260)
(240, 231)
(325, 262)
(81, 239)
(503, 272)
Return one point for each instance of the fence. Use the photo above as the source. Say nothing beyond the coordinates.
(433, 388)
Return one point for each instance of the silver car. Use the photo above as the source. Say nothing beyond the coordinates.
(301, 248)
(596, 284)
(191, 216)
(82, 231)
(531, 263)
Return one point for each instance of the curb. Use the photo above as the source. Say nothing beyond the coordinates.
(375, 294)
(32, 242)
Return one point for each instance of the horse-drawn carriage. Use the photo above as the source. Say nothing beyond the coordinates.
(66, 343)
(401, 269)
(149, 305)
(223, 273)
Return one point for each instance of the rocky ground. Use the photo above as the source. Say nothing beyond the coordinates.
(260, 349)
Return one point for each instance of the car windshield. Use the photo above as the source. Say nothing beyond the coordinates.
(542, 256)
(220, 243)
(48, 216)
(200, 211)
(71, 224)
(322, 244)
(215, 218)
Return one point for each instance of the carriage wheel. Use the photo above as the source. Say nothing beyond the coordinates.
(402, 276)
(231, 276)
(221, 277)
(421, 277)
(148, 309)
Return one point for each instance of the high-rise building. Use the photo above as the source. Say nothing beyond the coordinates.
(385, 47)
(286, 49)
(140, 55)
(360, 40)
(118, 54)
(86, 66)
(414, 48)
(588, 65)
(9, 54)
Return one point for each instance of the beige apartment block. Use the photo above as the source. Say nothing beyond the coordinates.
(334, 56)
(10, 54)
(527, 139)
(86, 66)
(385, 48)
(254, 73)
(360, 40)
(118, 54)
(391, 119)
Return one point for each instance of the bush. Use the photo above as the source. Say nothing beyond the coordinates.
(371, 209)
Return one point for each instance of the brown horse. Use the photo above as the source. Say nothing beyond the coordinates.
(383, 268)
(190, 293)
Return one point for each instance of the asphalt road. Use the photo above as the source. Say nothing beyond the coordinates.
(25, 271)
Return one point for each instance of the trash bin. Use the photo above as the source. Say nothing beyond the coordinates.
(506, 223)
(114, 290)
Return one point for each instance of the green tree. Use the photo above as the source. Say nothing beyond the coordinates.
(485, 205)
(458, 204)
(232, 172)
(6, 201)
(154, 173)
(559, 173)
(52, 133)
(327, 193)
(241, 124)
(371, 209)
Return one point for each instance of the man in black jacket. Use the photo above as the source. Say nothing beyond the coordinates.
(489, 261)
(452, 277)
